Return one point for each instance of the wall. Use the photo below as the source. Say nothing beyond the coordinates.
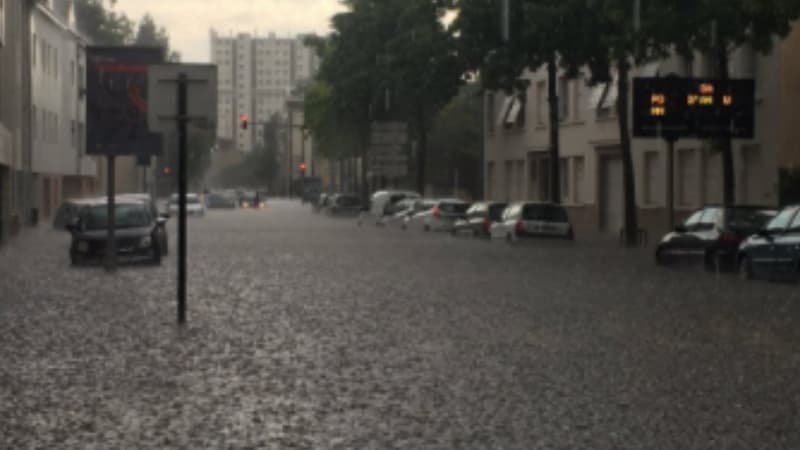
(585, 135)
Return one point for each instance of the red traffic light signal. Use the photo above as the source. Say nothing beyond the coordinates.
(243, 121)
(166, 171)
(302, 167)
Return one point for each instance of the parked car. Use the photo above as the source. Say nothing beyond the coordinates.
(68, 212)
(403, 209)
(479, 218)
(532, 220)
(711, 236)
(773, 252)
(217, 200)
(414, 218)
(439, 217)
(136, 231)
(194, 207)
(384, 203)
(163, 237)
(343, 205)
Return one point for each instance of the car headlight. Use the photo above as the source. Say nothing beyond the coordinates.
(145, 242)
(83, 246)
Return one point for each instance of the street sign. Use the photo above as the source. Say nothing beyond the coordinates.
(163, 96)
(673, 107)
(388, 154)
(117, 101)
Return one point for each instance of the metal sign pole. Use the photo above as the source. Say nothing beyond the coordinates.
(111, 240)
(182, 188)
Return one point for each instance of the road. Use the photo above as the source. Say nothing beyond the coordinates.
(310, 332)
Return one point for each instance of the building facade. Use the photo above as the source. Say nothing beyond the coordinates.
(256, 78)
(517, 165)
(15, 150)
(59, 164)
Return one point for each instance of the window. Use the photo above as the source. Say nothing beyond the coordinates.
(687, 176)
(782, 220)
(580, 100)
(541, 102)
(563, 177)
(2, 22)
(490, 112)
(694, 219)
(651, 179)
(34, 122)
(795, 226)
(578, 168)
(74, 134)
(563, 99)
(55, 62)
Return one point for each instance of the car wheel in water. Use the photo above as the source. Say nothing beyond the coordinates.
(74, 259)
(745, 268)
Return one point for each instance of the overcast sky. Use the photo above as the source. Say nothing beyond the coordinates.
(189, 21)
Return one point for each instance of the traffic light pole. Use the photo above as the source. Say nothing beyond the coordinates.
(182, 189)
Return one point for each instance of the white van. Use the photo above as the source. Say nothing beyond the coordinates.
(382, 203)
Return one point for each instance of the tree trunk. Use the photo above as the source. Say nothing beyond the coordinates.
(422, 156)
(555, 121)
(631, 222)
(725, 145)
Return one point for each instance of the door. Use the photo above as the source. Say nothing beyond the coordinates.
(786, 250)
(612, 198)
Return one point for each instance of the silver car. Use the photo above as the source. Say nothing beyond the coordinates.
(529, 220)
(438, 215)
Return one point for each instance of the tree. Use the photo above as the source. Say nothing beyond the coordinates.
(102, 24)
(456, 141)
(150, 34)
(421, 70)
(717, 28)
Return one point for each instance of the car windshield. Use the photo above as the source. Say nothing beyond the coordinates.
(125, 216)
(454, 208)
(546, 213)
(782, 220)
(749, 218)
(496, 211)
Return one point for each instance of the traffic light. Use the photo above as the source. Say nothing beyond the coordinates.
(243, 121)
(302, 168)
(166, 171)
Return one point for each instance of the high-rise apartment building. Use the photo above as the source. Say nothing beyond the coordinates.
(256, 77)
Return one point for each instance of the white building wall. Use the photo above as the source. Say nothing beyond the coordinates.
(589, 137)
(256, 77)
(59, 109)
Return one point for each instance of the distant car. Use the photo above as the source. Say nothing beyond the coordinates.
(194, 207)
(344, 205)
(532, 220)
(384, 203)
(67, 212)
(711, 236)
(136, 232)
(251, 200)
(440, 217)
(773, 252)
(216, 200)
(479, 219)
(414, 217)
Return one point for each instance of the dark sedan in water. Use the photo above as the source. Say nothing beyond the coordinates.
(773, 252)
(711, 236)
(136, 232)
